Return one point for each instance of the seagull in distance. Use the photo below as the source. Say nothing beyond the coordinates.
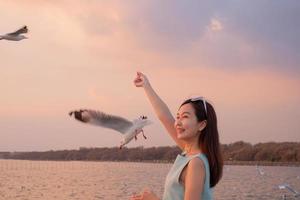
(129, 129)
(260, 170)
(15, 36)
(289, 188)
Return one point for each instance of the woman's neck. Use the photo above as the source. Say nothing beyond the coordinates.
(192, 148)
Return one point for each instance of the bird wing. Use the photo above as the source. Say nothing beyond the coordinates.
(19, 31)
(281, 187)
(291, 189)
(102, 119)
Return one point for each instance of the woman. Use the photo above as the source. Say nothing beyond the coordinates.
(199, 167)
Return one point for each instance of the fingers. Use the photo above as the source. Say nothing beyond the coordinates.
(140, 74)
(140, 80)
(145, 194)
(136, 197)
(146, 190)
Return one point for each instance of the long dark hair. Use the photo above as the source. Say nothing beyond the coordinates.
(209, 138)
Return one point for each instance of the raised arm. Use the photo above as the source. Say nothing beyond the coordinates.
(161, 109)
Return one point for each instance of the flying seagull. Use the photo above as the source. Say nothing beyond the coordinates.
(129, 129)
(15, 36)
(286, 186)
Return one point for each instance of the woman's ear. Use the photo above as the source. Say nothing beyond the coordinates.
(202, 125)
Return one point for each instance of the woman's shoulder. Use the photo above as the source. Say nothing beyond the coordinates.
(195, 167)
(197, 162)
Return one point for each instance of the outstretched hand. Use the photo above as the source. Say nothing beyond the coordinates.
(141, 80)
(145, 195)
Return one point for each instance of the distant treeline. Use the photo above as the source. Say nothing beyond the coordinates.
(238, 151)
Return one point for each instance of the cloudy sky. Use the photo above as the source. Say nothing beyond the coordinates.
(244, 56)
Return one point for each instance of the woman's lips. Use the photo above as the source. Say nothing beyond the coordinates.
(180, 130)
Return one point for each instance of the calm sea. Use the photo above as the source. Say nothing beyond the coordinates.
(21, 180)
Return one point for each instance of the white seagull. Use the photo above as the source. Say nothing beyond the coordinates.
(129, 129)
(286, 186)
(260, 170)
(15, 36)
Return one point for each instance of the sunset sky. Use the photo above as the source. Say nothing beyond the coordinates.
(244, 56)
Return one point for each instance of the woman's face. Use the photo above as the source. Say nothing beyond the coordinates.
(186, 124)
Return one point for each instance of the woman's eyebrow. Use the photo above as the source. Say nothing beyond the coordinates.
(184, 113)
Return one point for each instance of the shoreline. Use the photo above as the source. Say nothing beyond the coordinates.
(263, 163)
(240, 163)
